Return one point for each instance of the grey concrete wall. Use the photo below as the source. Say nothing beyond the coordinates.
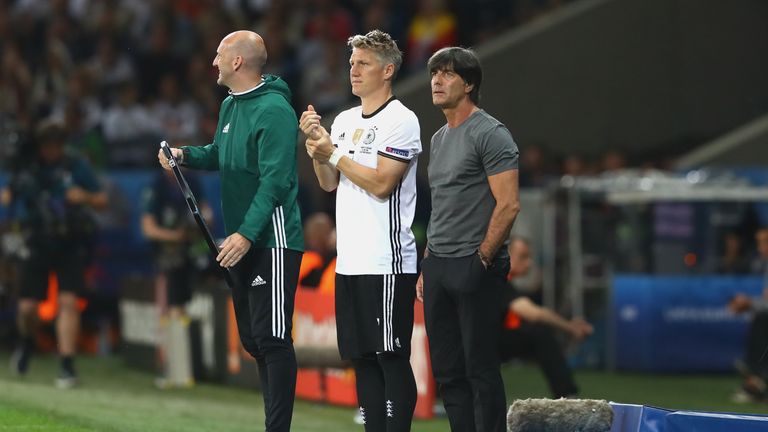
(636, 75)
(741, 147)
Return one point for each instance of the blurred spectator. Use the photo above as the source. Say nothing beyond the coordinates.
(114, 18)
(329, 17)
(51, 80)
(129, 129)
(60, 25)
(34, 8)
(199, 76)
(253, 10)
(734, 259)
(387, 16)
(211, 27)
(84, 139)
(177, 115)
(52, 195)
(91, 48)
(5, 24)
(319, 249)
(167, 223)
(80, 92)
(157, 58)
(760, 263)
(431, 28)
(12, 141)
(613, 161)
(109, 67)
(536, 173)
(527, 331)
(15, 80)
(754, 367)
(282, 54)
(328, 79)
(574, 165)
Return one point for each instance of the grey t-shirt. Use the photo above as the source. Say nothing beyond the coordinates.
(461, 160)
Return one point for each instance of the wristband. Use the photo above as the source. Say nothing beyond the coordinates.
(335, 156)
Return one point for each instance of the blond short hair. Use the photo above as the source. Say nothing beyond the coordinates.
(382, 44)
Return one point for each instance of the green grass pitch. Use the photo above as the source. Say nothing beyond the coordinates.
(115, 398)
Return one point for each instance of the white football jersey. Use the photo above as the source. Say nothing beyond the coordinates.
(374, 235)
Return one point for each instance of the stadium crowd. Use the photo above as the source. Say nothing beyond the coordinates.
(122, 73)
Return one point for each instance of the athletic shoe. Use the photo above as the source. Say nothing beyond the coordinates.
(742, 397)
(755, 387)
(359, 419)
(66, 379)
(163, 383)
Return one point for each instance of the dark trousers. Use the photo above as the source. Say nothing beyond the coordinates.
(537, 342)
(757, 344)
(263, 299)
(461, 310)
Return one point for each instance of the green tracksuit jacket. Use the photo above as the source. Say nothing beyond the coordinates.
(254, 150)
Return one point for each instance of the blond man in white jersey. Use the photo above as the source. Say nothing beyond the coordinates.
(369, 158)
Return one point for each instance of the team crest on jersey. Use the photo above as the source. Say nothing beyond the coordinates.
(369, 136)
(356, 137)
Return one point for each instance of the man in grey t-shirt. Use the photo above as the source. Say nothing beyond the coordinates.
(474, 184)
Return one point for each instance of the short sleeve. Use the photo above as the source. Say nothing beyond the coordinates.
(498, 150)
(148, 200)
(403, 142)
(336, 135)
(85, 177)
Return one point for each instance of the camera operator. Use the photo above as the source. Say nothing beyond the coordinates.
(52, 195)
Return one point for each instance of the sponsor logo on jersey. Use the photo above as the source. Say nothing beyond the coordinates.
(341, 136)
(258, 281)
(397, 151)
(226, 128)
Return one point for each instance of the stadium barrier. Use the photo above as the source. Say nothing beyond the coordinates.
(589, 415)
(678, 323)
(641, 418)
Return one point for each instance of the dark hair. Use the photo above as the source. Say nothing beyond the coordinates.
(464, 62)
(49, 132)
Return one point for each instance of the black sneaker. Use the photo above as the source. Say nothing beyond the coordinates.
(20, 362)
(755, 387)
(66, 379)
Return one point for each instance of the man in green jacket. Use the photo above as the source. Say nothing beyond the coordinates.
(254, 149)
